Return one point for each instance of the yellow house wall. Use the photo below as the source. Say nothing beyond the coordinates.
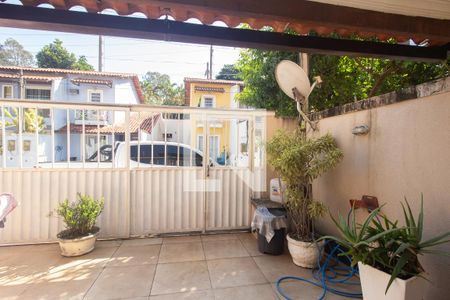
(222, 100)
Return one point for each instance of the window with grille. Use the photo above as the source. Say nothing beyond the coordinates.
(37, 93)
(95, 96)
(7, 92)
(208, 101)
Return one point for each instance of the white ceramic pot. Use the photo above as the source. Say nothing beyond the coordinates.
(304, 254)
(374, 283)
(78, 246)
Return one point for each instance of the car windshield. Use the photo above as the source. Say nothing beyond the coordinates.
(166, 155)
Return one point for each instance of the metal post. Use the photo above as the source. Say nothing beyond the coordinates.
(304, 63)
(113, 142)
(98, 138)
(83, 137)
(20, 119)
(139, 140)
(68, 137)
(36, 130)
(3, 137)
(52, 128)
(127, 138)
(205, 171)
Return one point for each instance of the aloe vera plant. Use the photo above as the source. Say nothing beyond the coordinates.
(385, 245)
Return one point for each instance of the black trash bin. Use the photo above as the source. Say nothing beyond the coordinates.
(276, 244)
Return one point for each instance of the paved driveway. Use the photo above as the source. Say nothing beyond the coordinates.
(226, 266)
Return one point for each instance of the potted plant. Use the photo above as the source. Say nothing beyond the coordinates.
(79, 218)
(388, 254)
(299, 161)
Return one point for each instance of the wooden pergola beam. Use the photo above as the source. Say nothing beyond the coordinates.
(314, 14)
(88, 23)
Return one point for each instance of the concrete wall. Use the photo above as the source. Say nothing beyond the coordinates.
(406, 153)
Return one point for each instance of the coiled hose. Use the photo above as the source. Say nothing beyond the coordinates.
(326, 273)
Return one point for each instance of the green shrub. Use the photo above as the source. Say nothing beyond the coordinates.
(79, 216)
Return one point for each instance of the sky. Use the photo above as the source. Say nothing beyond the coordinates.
(178, 60)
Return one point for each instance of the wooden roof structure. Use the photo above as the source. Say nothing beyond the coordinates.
(300, 16)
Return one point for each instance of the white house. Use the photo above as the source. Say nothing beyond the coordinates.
(63, 86)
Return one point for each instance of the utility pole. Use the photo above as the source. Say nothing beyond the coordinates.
(207, 71)
(100, 53)
(210, 62)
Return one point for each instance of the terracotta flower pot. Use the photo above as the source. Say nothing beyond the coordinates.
(304, 254)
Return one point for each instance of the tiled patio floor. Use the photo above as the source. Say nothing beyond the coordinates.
(226, 266)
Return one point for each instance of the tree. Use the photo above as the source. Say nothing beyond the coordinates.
(31, 120)
(261, 90)
(159, 90)
(12, 53)
(345, 79)
(229, 72)
(82, 64)
(54, 55)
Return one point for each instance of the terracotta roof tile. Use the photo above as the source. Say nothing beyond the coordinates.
(218, 81)
(133, 77)
(68, 71)
(91, 81)
(208, 13)
(145, 121)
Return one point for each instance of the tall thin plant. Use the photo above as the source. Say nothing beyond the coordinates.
(299, 160)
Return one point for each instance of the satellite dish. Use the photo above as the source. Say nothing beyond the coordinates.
(289, 75)
(294, 82)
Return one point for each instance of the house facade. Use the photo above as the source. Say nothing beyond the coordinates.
(227, 139)
(61, 85)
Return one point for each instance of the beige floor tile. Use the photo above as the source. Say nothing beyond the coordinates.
(273, 267)
(13, 291)
(123, 282)
(179, 252)
(142, 242)
(98, 258)
(134, 256)
(65, 284)
(233, 272)
(299, 290)
(251, 292)
(23, 264)
(250, 243)
(224, 249)
(219, 237)
(181, 239)
(26, 249)
(196, 295)
(108, 243)
(181, 277)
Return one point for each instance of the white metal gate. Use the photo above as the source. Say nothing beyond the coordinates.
(189, 191)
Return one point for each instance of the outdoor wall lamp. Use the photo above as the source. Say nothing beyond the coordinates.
(361, 130)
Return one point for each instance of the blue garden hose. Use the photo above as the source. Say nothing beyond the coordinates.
(325, 274)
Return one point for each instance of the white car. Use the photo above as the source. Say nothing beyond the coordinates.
(158, 153)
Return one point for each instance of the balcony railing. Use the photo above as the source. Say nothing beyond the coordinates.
(91, 117)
